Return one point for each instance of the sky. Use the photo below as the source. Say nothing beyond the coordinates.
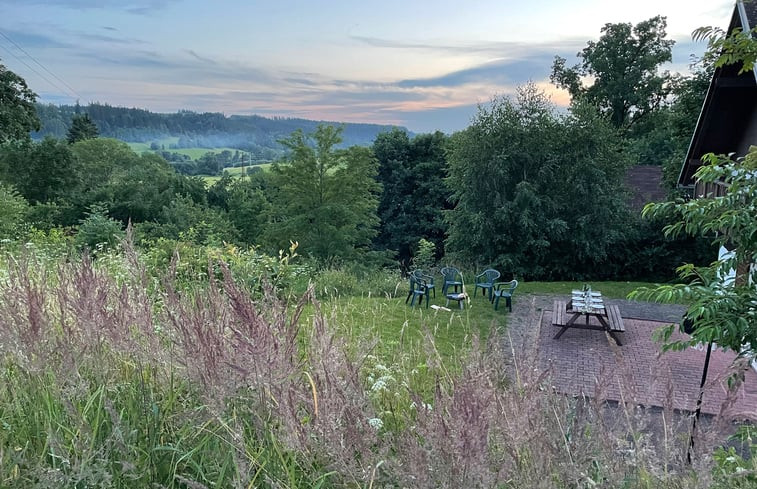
(424, 65)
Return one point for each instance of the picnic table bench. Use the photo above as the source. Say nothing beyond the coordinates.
(567, 317)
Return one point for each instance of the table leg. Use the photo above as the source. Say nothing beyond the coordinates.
(607, 328)
(566, 327)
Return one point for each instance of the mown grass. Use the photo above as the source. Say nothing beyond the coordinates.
(613, 290)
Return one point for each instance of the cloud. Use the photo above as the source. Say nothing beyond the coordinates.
(511, 49)
(30, 40)
(137, 7)
(108, 39)
(500, 72)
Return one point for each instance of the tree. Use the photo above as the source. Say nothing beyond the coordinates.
(82, 128)
(624, 66)
(536, 194)
(14, 211)
(18, 115)
(724, 310)
(98, 230)
(41, 172)
(414, 194)
(134, 187)
(324, 198)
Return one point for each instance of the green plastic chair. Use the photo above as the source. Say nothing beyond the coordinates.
(485, 280)
(506, 290)
(419, 289)
(428, 279)
(452, 278)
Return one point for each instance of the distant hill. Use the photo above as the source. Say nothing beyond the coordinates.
(185, 129)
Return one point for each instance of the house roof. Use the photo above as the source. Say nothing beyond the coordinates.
(730, 104)
(644, 183)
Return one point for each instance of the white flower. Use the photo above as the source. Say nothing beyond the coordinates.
(379, 385)
(376, 423)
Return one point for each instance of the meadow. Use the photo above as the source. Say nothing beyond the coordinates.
(269, 374)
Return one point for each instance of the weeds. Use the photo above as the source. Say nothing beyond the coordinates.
(107, 384)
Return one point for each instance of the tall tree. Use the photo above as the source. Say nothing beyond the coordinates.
(414, 194)
(537, 194)
(41, 172)
(324, 198)
(624, 68)
(82, 128)
(18, 115)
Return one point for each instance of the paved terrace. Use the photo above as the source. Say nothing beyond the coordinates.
(586, 362)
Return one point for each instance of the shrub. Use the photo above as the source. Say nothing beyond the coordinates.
(425, 256)
(98, 231)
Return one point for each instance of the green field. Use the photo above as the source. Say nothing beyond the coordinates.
(193, 153)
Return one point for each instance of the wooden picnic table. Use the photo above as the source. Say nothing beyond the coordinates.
(566, 314)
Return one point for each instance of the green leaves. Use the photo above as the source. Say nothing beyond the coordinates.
(722, 296)
(724, 49)
(324, 198)
(623, 65)
(534, 191)
(18, 115)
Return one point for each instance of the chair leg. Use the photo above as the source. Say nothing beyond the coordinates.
(426, 299)
(496, 302)
(510, 304)
(408, 296)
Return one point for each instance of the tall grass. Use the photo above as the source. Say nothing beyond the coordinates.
(105, 385)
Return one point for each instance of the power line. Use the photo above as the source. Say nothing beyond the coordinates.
(68, 87)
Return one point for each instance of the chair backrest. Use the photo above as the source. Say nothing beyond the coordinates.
(491, 275)
(418, 280)
(450, 274)
(420, 275)
(513, 285)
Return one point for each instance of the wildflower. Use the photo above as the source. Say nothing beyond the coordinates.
(376, 423)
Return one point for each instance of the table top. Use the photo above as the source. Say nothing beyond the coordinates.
(587, 302)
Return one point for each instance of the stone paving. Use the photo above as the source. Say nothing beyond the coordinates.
(586, 362)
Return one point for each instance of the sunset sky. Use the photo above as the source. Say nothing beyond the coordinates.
(423, 64)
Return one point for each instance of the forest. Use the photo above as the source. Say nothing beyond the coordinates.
(186, 129)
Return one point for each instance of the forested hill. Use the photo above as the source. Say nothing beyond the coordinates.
(193, 130)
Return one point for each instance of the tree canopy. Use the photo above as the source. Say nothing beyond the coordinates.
(623, 66)
(18, 116)
(537, 194)
(324, 198)
(414, 194)
(82, 128)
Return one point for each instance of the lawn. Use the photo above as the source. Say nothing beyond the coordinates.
(612, 290)
(402, 331)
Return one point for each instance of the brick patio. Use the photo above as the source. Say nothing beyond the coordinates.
(586, 362)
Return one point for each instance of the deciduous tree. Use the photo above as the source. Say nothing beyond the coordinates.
(536, 193)
(18, 115)
(414, 195)
(623, 66)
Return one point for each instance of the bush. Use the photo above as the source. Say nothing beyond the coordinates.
(13, 213)
(98, 231)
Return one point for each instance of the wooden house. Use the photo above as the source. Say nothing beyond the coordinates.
(727, 123)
